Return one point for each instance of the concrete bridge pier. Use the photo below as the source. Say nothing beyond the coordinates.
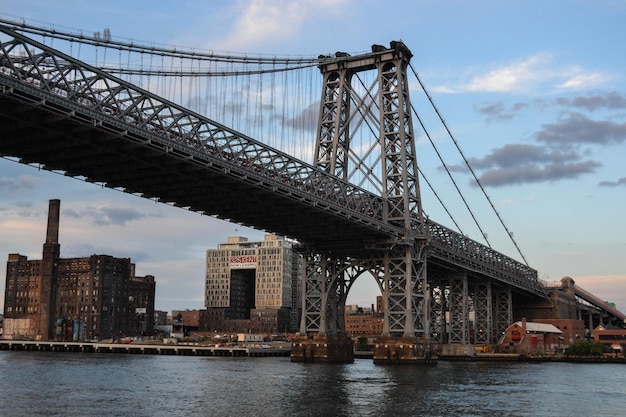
(329, 349)
(404, 350)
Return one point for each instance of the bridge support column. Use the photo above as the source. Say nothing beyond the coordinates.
(406, 328)
(407, 310)
(483, 318)
(457, 336)
(311, 320)
(503, 311)
(438, 309)
(458, 331)
(322, 325)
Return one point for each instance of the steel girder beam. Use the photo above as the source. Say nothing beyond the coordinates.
(408, 314)
(399, 174)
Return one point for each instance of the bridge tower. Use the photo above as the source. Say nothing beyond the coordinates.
(398, 265)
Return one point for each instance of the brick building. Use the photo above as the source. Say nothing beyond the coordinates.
(573, 330)
(75, 298)
(531, 338)
(612, 338)
(363, 323)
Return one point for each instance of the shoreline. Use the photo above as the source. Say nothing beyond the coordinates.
(284, 351)
(145, 349)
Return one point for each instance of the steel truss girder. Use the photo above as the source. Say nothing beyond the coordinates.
(312, 290)
(464, 252)
(329, 279)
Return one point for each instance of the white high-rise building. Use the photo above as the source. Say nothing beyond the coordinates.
(244, 278)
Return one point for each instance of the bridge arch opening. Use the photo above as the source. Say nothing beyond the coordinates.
(364, 290)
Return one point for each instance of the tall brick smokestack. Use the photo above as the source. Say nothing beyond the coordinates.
(49, 263)
(52, 234)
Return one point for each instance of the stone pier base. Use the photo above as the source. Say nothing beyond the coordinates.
(331, 349)
(404, 350)
(457, 350)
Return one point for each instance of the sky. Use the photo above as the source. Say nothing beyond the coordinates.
(533, 92)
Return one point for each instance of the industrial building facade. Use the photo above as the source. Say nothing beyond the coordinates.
(95, 297)
(253, 286)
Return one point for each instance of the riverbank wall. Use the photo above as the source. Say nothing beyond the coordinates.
(146, 349)
(283, 350)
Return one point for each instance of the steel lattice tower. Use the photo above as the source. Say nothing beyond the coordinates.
(398, 265)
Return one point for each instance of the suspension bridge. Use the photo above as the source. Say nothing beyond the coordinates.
(133, 118)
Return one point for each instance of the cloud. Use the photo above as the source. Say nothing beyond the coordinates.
(511, 78)
(582, 80)
(306, 120)
(619, 183)
(268, 21)
(554, 158)
(612, 100)
(534, 173)
(576, 128)
(536, 73)
(524, 163)
(520, 155)
(23, 182)
(557, 154)
(498, 111)
(104, 216)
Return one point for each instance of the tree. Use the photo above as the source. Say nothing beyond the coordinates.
(584, 348)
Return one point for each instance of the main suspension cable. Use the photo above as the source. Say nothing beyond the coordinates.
(170, 51)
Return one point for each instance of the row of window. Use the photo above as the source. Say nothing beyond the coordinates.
(612, 337)
(31, 309)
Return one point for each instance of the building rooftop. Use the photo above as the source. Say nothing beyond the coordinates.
(539, 327)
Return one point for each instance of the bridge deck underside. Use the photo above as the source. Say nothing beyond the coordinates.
(60, 141)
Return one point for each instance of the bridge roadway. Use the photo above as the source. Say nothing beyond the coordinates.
(63, 115)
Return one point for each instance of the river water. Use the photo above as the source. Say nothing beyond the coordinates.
(91, 384)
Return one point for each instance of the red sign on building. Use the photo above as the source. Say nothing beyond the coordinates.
(242, 262)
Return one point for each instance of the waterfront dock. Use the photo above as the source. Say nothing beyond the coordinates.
(146, 349)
